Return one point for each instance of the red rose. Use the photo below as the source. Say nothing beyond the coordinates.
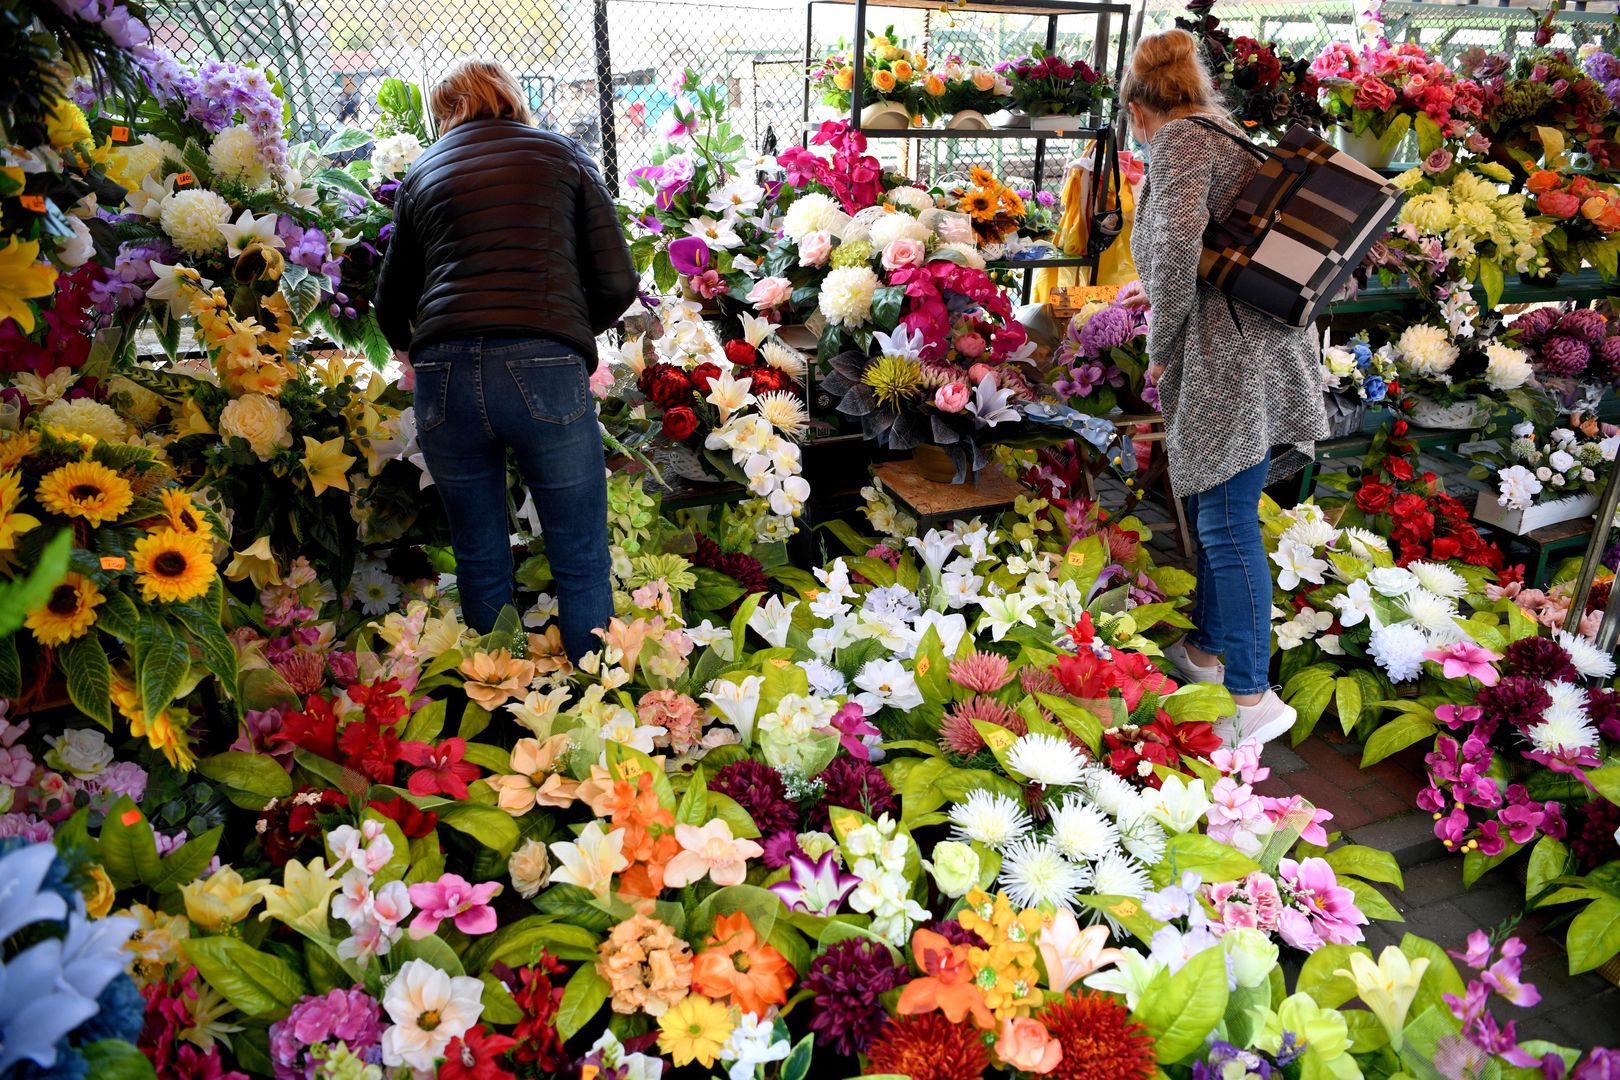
(1406, 507)
(742, 353)
(1399, 468)
(767, 380)
(1373, 498)
(703, 375)
(679, 423)
(1398, 428)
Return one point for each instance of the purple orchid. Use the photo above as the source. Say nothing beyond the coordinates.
(853, 730)
(815, 887)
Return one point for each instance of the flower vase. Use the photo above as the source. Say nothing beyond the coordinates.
(1367, 148)
(1453, 416)
(1057, 122)
(885, 116)
(1009, 118)
(968, 120)
(933, 464)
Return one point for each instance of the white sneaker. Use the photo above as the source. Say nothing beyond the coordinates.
(1190, 670)
(1226, 730)
(1267, 719)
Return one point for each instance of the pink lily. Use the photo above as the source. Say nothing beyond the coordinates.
(1464, 659)
(455, 898)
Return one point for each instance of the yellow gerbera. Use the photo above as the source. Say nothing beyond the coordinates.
(12, 524)
(982, 177)
(68, 613)
(173, 566)
(85, 489)
(161, 734)
(979, 204)
(181, 512)
(694, 1029)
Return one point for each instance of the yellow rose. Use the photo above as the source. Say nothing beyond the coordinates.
(880, 42)
(98, 898)
(260, 420)
(883, 81)
(902, 70)
(889, 52)
(844, 78)
(222, 899)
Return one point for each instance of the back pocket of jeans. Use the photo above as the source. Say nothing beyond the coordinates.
(553, 387)
(432, 394)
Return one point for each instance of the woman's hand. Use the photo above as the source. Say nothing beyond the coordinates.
(1155, 372)
(1132, 296)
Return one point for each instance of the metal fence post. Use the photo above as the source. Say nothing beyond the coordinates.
(604, 95)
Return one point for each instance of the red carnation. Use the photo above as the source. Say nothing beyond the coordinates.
(741, 353)
(679, 423)
(767, 380)
(1373, 498)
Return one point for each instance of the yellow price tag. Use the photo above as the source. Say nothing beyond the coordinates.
(846, 824)
(184, 179)
(1125, 909)
(999, 739)
(629, 769)
(923, 665)
(1075, 558)
(811, 594)
(779, 662)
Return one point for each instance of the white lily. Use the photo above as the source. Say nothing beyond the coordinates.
(737, 703)
(1129, 977)
(1177, 805)
(168, 286)
(756, 329)
(707, 635)
(1299, 563)
(716, 232)
(903, 342)
(247, 229)
(538, 711)
(772, 620)
(1002, 613)
(989, 405)
(728, 394)
(934, 547)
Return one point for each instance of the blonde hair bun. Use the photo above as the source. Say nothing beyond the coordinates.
(1167, 75)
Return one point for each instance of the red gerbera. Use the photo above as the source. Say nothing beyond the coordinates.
(929, 1047)
(441, 769)
(477, 1056)
(1098, 1039)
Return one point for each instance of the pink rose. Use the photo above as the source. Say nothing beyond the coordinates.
(1373, 95)
(970, 346)
(815, 248)
(601, 381)
(904, 252)
(952, 397)
(978, 371)
(771, 292)
(1438, 161)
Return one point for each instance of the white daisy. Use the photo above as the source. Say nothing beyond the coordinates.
(1035, 874)
(989, 818)
(1117, 874)
(1439, 579)
(784, 358)
(1568, 702)
(1081, 831)
(374, 589)
(1312, 532)
(1046, 759)
(1591, 661)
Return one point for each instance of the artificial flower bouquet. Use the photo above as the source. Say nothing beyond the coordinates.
(1265, 89)
(699, 214)
(1385, 91)
(970, 87)
(1101, 363)
(1574, 346)
(1458, 361)
(1007, 222)
(1360, 375)
(1048, 85)
(1584, 217)
(1458, 225)
(893, 73)
(1539, 98)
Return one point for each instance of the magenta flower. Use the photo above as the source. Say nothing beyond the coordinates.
(852, 729)
(1465, 660)
(453, 897)
(1456, 717)
(689, 255)
(1319, 908)
(814, 887)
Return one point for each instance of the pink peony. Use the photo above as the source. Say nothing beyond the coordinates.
(771, 292)
(904, 252)
(952, 397)
(453, 897)
(1373, 95)
(815, 248)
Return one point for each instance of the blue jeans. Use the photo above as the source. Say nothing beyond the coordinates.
(1232, 604)
(476, 397)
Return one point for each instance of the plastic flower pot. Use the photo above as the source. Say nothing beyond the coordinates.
(885, 116)
(968, 120)
(1367, 148)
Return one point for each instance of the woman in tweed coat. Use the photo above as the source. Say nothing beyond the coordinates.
(1241, 395)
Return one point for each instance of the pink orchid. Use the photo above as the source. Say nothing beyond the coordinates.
(1464, 660)
(453, 897)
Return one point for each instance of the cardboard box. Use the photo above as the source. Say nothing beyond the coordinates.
(1539, 515)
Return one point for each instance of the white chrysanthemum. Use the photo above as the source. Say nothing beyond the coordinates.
(1081, 831)
(1035, 874)
(1101, 788)
(962, 252)
(1046, 759)
(1506, 368)
(393, 155)
(1399, 648)
(375, 589)
(813, 213)
(1312, 532)
(914, 199)
(130, 165)
(1561, 731)
(1363, 543)
(897, 226)
(1439, 579)
(1116, 874)
(192, 219)
(1426, 350)
(1143, 838)
(846, 295)
(1591, 661)
(1568, 701)
(234, 157)
(784, 358)
(1434, 615)
(989, 818)
(1390, 581)
(785, 412)
(82, 416)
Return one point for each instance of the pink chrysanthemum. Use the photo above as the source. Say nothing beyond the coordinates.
(957, 735)
(1039, 680)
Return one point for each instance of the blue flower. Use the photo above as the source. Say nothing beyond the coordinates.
(1373, 389)
(24, 898)
(122, 1015)
(36, 1007)
(1361, 352)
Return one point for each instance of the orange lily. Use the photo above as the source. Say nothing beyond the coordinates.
(947, 982)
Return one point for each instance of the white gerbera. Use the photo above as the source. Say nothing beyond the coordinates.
(1143, 838)
(785, 412)
(1506, 368)
(896, 226)
(82, 416)
(1117, 874)
(1591, 661)
(989, 818)
(784, 358)
(1426, 350)
(846, 295)
(1046, 759)
(1081, 831)
(1035, 874)
(234, 157)
(960, 251)
(813, 213)
(192, 219)
(1568, 701)
(375, 589)
(1439, 579)
(1399, 648)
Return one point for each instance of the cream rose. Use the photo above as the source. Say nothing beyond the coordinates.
(79, 751)
(904, 253)
(259, 420)
(530, 868)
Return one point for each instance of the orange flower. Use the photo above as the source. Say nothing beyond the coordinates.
(647, 966)
(947, 982)
(1543, 180)
(734, 964)
(649, 840)
(1025, 1045)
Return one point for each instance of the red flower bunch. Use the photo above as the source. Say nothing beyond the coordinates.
(1094, 670)
(1257, 58)
(368, 744)
(665, 385)
(853, 176)
(63, 334)
(679, 423)
(288, 822)
(440, 770)
(741, 353)
(539, 995)
(1134, 750)
(1424, 522)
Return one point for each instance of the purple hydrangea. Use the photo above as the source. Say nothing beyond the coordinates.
(1109, 328)
(1564, 355)
(112, 783)
(351, 1017)
(1588, 324)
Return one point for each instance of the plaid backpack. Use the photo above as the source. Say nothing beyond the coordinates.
(1299, 228)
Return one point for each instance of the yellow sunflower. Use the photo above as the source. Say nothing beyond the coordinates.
(70, 611)
(16, 445)
(173, 566)
(182, 513)
(979, 204)
(161, 734)
(12, 524)
(983, 178)
(1011, 203)
(85, 489)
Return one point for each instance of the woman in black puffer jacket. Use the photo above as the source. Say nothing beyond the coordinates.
(506, 262)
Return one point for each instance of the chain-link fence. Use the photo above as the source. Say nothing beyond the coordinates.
(601, 70)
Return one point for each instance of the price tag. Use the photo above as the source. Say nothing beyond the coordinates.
(923, 665)
(779, 662)
(1125, 909)
(184, 179)
(629, 769)
(33, 203)
(1075, 559)
(589, 1072)
(999, 739)
(120, 133)
(113, 562)
(811, 594)
(846, 824)
(130, 817)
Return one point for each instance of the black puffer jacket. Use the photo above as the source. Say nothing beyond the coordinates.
(500, 227)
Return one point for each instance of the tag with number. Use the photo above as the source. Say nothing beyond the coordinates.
(999, 739)
(846, 824)
(1125, 909)
(32, 203)
(112, 562)
(120, 133)
(1075, 559)
(923, 665)
(184, 179)
(629, 769)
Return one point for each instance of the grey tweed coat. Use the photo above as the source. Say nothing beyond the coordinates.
(1231, 390)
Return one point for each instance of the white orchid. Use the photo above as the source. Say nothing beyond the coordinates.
(247, 230)
(1299, 563)
(1002, 613)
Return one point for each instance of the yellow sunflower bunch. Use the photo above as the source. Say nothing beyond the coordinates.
(173, 562)
(995, 208)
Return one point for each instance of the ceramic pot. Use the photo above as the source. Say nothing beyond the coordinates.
(1366, 148)
(885, 116)
(968, 120)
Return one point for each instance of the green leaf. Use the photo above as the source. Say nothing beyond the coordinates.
(582, 999)
(1197, 702)
(261, 985)
(425, 724)
(249, 780)
(1077, 718)
(1396, 735)
(1594, 936)
(489, 825)
(1440, 979)
(499, 1008)
(1372, 903)
(182, 865)
(345, 140)
(1210, 859)
(1549, 859)
(1607, 782)
(694, 806)
(1365, 862)
(434, 949)
(1475, 864)
(128, 851)
(18, 598)
(1490, 279)
(114, 1059)
(520, 943)
(1347, 702)
(89, 678)
(162, 662)
(1318, 979)
(1181, 1010)
(796, 1066)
